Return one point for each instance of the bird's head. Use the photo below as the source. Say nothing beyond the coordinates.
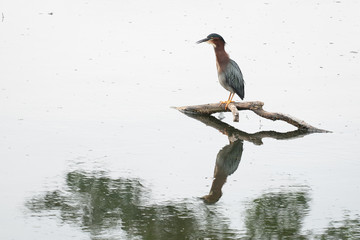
(213, 39)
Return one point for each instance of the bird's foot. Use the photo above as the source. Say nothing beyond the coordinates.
(226, 103)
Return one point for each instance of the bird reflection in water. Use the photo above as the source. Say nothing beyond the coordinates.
(228, 158)
(227, 161)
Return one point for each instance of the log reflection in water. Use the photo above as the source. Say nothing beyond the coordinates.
(255, 138)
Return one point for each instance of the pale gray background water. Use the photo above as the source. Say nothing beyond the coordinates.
(90, 147)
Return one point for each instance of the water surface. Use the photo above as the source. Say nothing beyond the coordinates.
(91, 148)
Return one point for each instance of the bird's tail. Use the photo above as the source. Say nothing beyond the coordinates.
(241, 93)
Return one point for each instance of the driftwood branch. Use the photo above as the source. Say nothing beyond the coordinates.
(256, 107)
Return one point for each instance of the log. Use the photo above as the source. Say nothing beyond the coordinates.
(255, 106)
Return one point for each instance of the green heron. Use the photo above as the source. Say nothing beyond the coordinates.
(229, 73)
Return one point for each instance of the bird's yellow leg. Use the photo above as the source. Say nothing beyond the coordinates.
(232, 97)
(226, 102)
(229, 100)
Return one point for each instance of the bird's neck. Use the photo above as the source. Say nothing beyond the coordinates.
(222, 58)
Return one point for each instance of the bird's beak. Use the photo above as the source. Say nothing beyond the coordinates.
(203, 40)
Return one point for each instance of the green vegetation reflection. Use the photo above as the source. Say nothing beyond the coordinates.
(99, 205)
(277, 215)
(119, 209)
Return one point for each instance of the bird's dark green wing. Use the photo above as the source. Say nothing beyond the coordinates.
(235, 78)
